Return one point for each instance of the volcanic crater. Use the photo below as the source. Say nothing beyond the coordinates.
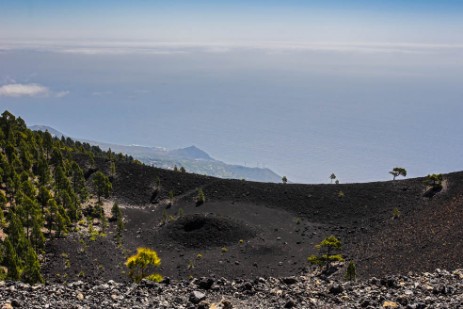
(204, 231)
(270, 229)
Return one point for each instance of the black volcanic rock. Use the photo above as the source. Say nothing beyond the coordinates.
(307, 292)
(196, 297)
(336, 289)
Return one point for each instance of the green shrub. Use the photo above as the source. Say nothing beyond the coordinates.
(434, 181)
(201, 197)
(116, 212)
(326, 252)
(396, 213)
(351, 272)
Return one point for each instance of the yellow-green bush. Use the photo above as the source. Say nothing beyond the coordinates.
(139, 262)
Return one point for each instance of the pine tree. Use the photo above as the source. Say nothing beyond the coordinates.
(327, 255)
(351, 272)
(332, 177)
(101, 215)
(36, 238)
(116, 215)
(78, 181)
(398, 171)
(112, 169)
(48, 144)
(110, 155)
(62, 221)
(60, 225)
(56, 218)
(43, 197)
(43, 172)
(31, 273)
(10, 151)
(25, 155)
(115, 212)
(28, 188)
(68, 204)
(35, 196)
(13, 182)
(16, 233)
(10, 260)
(61, 181)
(102, 185)
(30, 212)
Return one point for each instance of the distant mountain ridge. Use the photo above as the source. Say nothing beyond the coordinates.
(191, 158)
(191, 152)
(51, 130)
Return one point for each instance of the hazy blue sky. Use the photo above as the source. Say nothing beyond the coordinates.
(198, 20)
(303, 87)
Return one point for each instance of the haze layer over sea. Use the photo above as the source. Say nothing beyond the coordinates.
(303, 110)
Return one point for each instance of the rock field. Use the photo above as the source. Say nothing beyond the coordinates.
(440, 289)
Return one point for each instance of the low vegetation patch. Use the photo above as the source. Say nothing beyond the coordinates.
(139, 263)
(201, 197)
(327, 253)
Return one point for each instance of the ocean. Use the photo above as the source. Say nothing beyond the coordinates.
(303, 112)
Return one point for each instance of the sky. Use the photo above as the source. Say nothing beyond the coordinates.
(305, 88)
(419, 21)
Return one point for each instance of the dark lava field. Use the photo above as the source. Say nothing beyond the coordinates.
(248, 229)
